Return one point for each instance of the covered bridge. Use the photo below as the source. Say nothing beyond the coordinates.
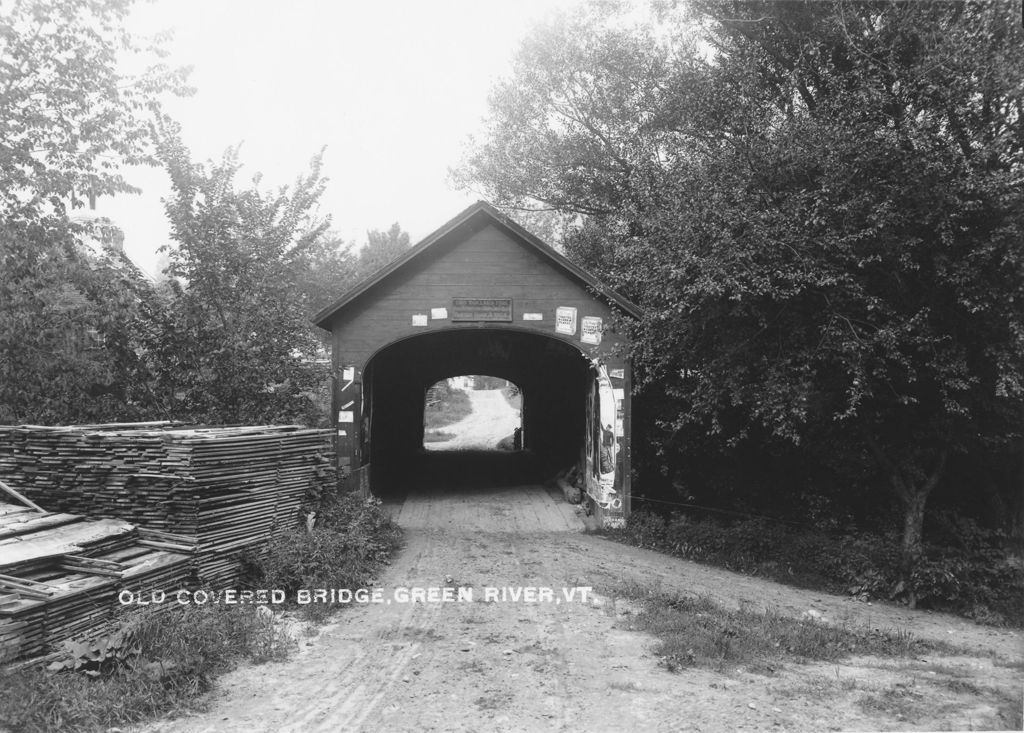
(481, 295)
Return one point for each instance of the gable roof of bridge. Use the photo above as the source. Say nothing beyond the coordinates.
(479, 212)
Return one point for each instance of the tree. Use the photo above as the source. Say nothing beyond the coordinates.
(237, 344)
(585, 108)
(821, 217)
(71, 121)
(71, 322)
(382, 248)
(327, 268)
(550, 226)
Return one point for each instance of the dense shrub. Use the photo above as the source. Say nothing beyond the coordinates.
(349, 542)
(161, 659)
(452, 406)
(972, 572)
(165, 658)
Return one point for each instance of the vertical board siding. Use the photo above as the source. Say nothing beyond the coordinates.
(483, 262)
(488, 264)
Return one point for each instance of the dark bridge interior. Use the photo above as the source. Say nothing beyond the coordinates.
(554, 379)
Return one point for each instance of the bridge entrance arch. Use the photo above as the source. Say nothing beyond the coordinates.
(481, 295)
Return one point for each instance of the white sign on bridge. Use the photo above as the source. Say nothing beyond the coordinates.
(565, 320)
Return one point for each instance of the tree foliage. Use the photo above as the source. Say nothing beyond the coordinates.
(70, 323)
(329, 268)
(70, 121)
(236, 344)
(381, 248)
(84, 337)
(819, 207)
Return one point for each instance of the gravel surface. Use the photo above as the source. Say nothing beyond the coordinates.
(492, 419)
(575, 664)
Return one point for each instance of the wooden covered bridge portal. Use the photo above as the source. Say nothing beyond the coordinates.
(481, 295)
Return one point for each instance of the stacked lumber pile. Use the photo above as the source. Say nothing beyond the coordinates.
(219, 492)
(60, 576)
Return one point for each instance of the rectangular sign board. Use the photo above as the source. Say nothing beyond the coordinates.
(497, 310)
(590, 330)
(565, 320)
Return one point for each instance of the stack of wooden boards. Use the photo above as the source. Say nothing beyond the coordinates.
(218, 491)
(60, 575)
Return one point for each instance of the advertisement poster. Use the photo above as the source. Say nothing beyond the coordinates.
(565, 320)
(590, 330)
(608, 418)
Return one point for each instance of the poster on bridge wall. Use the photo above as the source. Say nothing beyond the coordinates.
(603, 490)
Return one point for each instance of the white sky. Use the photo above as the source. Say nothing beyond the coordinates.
(392, 89)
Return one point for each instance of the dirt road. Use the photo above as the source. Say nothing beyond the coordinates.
(491, 420)
(570, 664)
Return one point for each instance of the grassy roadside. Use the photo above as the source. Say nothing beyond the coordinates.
(349, 544)
(452, 405)
(513, 396)
(973, 573)
(903, 678)
(697, 632)
(162, 660)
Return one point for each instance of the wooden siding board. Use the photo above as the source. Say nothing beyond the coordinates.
(385, 314)
(480, 218)
(489, 262)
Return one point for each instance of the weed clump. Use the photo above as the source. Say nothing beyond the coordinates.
(158, 661)
(351, 540)
(697, 632)
(971, 573)
(450, 406)
(162, 658)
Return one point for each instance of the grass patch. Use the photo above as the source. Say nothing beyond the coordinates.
(436, 436)
(161, 660)
(900, 702)
(507, 443)
(1011, 710)
(624, 686)
(697, 632)
(513, 396)
(350, 542)
(452, 406)
(973, 574)
(170, 659)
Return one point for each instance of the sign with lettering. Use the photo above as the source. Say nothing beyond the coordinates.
(482, 309)
(590, 330)
(565, 320)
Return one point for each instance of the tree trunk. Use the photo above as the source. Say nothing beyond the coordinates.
(911, 546)
(1017, 513)
(913, 497)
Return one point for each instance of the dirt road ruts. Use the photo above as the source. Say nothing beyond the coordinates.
(504, 664)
